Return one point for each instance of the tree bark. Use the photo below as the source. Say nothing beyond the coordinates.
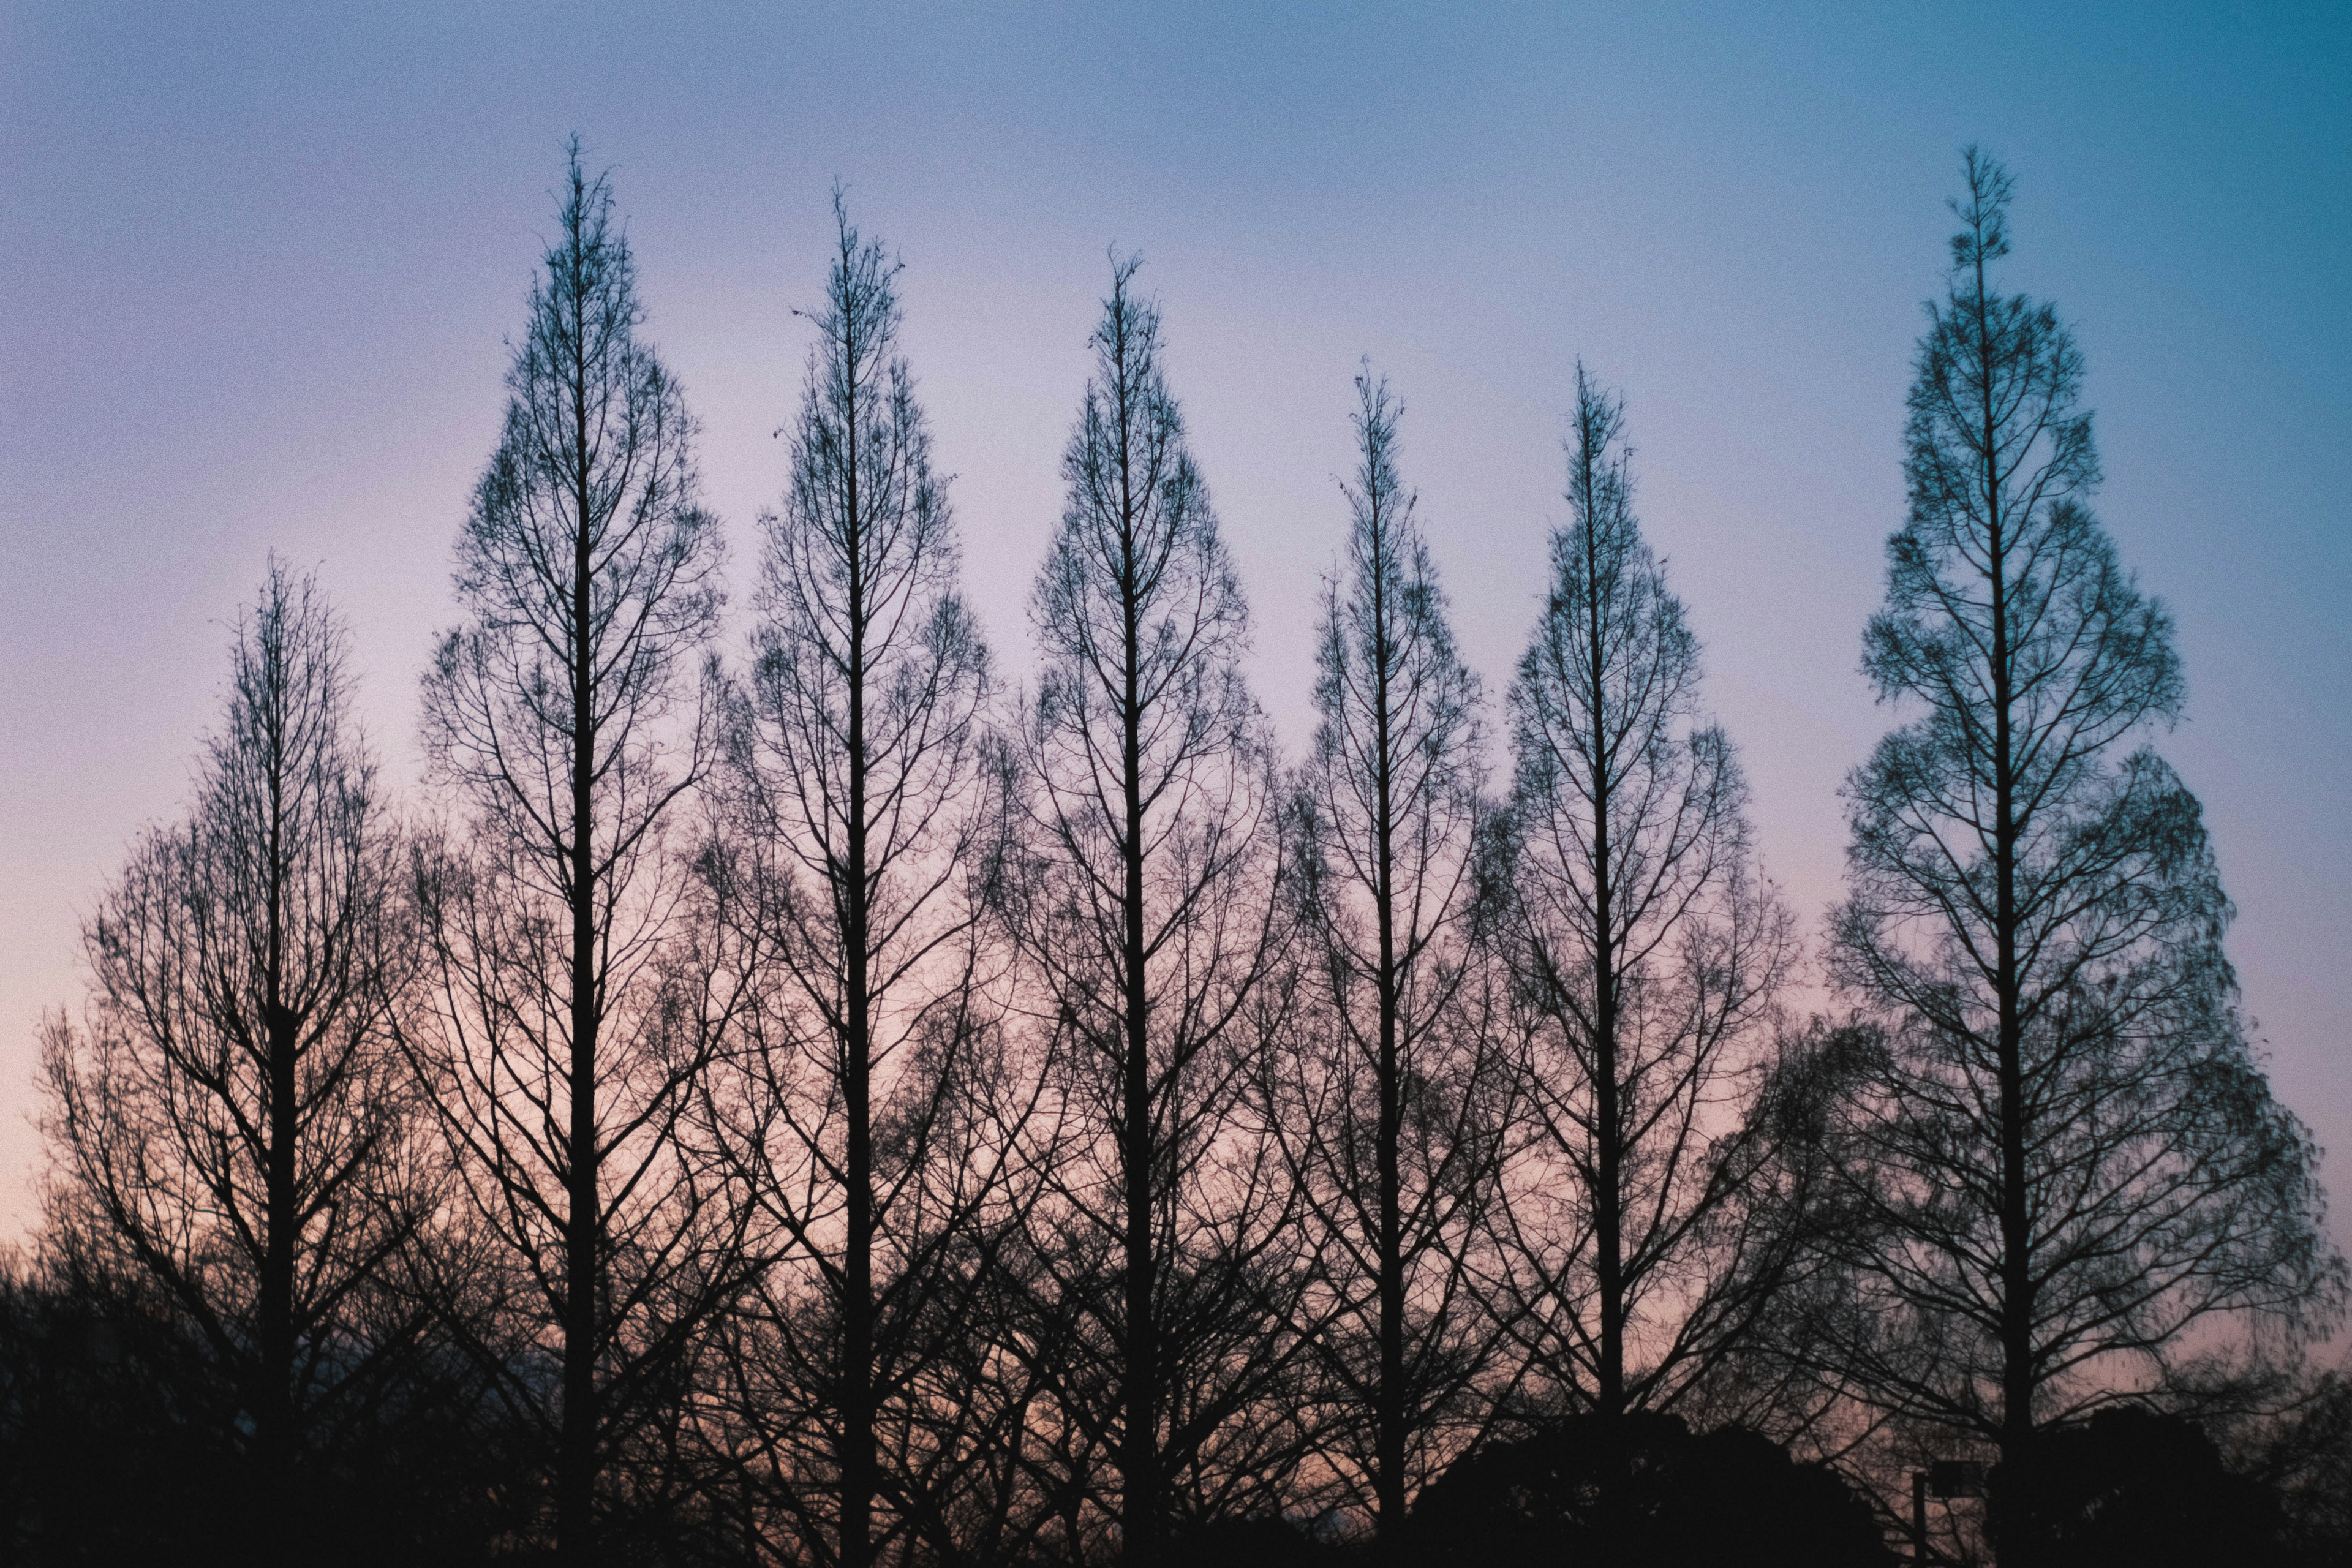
(1388, 1440)
(575, 1523)
(858, 1459)
(1141, 1507)
(1608, 1197)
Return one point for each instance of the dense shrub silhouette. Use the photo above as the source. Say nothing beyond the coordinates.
(1263, 1542)
(121, 1442)
(2132, 1486)
(1643, 1489)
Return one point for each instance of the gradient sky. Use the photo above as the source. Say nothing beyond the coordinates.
(256, 268)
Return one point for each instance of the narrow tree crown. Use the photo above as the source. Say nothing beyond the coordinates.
(291, 805)
(1138, 607)
(587, 565)
(1147, 905)
(2002, 592)
(270, 908)
(1622, 786)
(866, 659)
(1391, 878)
(1143, 736)
(848, 883)
(2010, 619)
(1146, 747)
(571, 714)
(234, 1104)
(1397, 736)
(1647, 952)
(1387, 1104)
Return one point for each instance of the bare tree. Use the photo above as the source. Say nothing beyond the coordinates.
(2066, 1151)
(566, 718)
(1147, 908)
(1391, 1107)
(231, 1120)
(863, 802)
(1646, 949)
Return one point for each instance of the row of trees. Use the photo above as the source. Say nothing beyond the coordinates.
(831, 1106)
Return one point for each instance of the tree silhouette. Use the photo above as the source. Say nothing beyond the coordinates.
(1392, 1099)
(1646, 951)
(863, 806)
(778, 1116)
(1146, 909)
(231, 1119)
(566, 720)
(2133, 1488)
(2064, 1155)
(1641, 1487)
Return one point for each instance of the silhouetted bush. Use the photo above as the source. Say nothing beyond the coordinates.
(2301, 1455)
(2134, 1489)
(1262, 1542)
(121, 1442)
(1643, 1489)
(104, 1448)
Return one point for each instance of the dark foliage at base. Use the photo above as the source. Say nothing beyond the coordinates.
(120, 1443)
(1257, 1543)
(1645, 1490)
(2134, 1489)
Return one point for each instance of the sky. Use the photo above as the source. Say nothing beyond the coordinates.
(259, 266)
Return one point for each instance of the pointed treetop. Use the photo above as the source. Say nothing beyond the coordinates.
(1984, 212)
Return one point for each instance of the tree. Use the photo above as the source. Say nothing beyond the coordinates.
(1390, 1106)
(1645, 950)
(2064, 1153)
(860, 793)
(566, 719)
(231, 1123)
(1147, 909)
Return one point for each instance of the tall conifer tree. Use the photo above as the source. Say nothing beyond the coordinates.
(1390, 1101)
(569, 718)
(1646, 949)
(1147, 910)
(2067, 1153)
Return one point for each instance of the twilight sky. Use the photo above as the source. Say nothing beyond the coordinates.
(260, 264)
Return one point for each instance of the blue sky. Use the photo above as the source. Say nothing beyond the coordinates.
(260, 263)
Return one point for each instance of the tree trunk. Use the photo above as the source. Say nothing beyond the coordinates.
(1390, 1415)
(1140, 1502)
(1609, 1198)
(575, 1481)
(857, 1460)
(275, 1413)
(2017, 1377)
